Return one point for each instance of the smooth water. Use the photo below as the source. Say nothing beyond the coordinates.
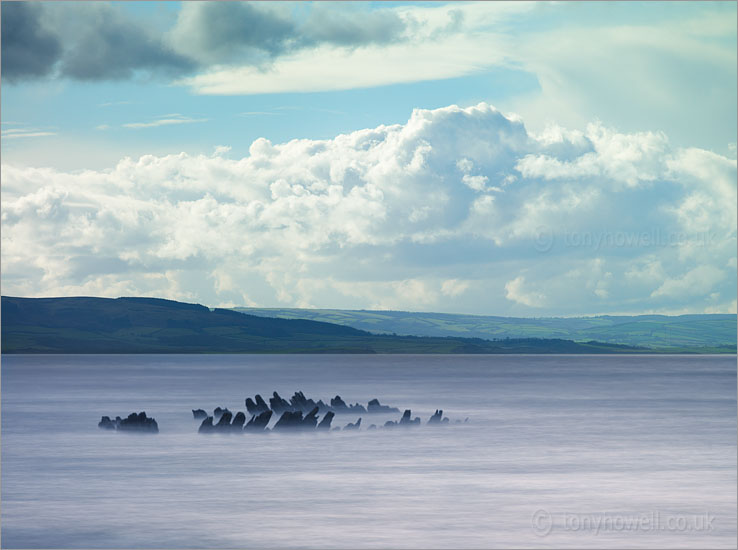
(559, 451)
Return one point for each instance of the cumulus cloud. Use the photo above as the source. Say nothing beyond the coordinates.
(383, 217)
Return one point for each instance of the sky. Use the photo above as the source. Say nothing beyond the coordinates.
(524, 159)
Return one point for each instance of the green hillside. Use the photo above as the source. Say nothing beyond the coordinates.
(686, 332)
(150, 325)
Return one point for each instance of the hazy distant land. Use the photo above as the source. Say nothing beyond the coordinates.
(151, 325)
(652, 331)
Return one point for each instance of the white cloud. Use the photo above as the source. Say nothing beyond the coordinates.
(19, 133)
(382, 217)
(698, 281)
(331, 68)
(629, 159)
(259, 113)
(166, 120)
(722, 308)
(677, 73)
(515, 290)
(443, 41)
(114, 103)
(454, 287)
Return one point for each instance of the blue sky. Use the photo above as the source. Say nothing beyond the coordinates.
(620, 120)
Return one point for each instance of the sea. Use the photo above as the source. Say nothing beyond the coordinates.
(540, 451)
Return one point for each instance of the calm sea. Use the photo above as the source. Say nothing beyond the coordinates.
(559, 451)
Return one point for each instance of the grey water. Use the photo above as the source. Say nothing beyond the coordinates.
(559, 451)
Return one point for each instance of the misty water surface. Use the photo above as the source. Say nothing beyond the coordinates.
(552, 444)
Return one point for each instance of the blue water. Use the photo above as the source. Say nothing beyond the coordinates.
(646, 446)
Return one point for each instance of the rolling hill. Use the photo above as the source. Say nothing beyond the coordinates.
(682, 332)
(151, 325)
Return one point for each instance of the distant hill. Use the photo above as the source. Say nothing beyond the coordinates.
(151, 325)
(681, 332)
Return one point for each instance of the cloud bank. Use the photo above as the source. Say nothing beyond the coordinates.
(456, 210)
(91, 41)
(82, 41)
